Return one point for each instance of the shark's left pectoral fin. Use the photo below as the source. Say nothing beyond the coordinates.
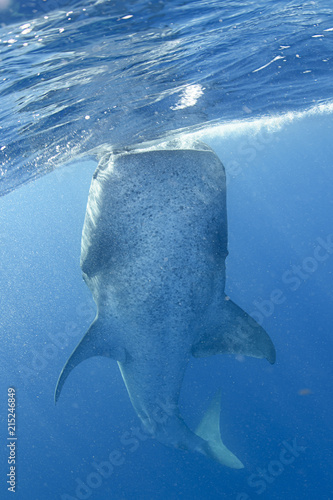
(237, 333)
(95, 343)
(209, 430)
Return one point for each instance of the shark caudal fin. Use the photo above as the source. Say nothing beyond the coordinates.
(209, 431)
(237, 333)
(94, 343)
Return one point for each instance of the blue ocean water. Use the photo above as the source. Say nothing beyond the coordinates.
(254, 81)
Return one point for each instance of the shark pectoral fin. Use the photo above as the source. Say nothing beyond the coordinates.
(209, 430)
(238, 333)
(92, 344)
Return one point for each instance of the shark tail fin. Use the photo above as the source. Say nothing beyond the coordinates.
(95, 343)
(209, 431)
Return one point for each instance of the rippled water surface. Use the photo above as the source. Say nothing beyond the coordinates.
(76, 76)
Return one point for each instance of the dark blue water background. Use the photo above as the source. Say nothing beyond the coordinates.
(280, 211)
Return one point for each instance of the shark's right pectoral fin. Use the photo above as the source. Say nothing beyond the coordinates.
(238, 333)
(209, 431)
(95, 343)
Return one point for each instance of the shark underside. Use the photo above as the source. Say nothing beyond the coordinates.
(153, 252)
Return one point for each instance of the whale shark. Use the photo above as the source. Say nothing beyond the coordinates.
(153, 251)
